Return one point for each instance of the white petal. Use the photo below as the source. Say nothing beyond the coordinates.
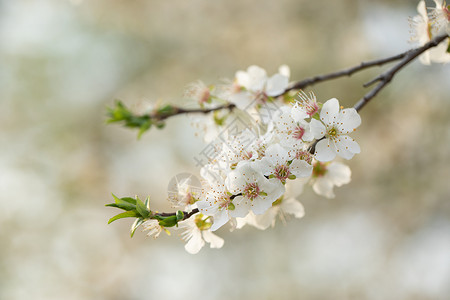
(265, 220)
(293, 207)
(214, 240)
(277, 154)
(317, 128)
(241, 207)
(422, 9)
(206, 207)
(243, 100)
(324, 151)
(298, 113)
(323, 187)
(220, 219)
(285, 70)
(276, 85)
(274, 190)
(346, 147)
(242, 78)
(195, 243)
(349, 120)
(330, 111)
(300, 168)
(257, 78)
(339, 173)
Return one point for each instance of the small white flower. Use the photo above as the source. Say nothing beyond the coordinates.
(306, 104)
(253, 86)
(423, 30)
(153, 228)
(291, 128)
(336, 124)
(326, 176)
(440, 17)
(280, 164)
(253, 188)
(197, 232)
(184, 192)
(286, 205)
(219, 203)
(199, 92)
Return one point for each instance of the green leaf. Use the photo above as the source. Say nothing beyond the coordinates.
(125, 203)
(168, 221)
(127, 214)
(142, 208)
(147, 203)
(166, 110)
(129, 200)
(180, 215)
(135, 225)
(144, 127)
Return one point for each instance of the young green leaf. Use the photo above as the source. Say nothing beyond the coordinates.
(135, 225)
(127, 214)
(142, 208)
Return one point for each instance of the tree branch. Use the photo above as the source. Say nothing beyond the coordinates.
(386, 77)
(346, 72)
(175, 110)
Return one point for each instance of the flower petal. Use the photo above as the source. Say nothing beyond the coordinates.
(298, 113)
(257, 78)
(214, 240)
(300, 168)
(323, 187)
(293, 207)
(330, 111)
(195, 243)
(339, 173)
(346, 147)
(276, 85)
(317, 128)
(324, 151)
(349, 120)
(241, 207)
(220, 219)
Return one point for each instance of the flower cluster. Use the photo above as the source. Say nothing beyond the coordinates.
(265, 143)
(428, 25)
(262, 156)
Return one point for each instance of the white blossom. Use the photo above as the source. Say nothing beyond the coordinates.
(328, 175)
(153, 228)
(286, 205)
(335, 124)
(222, 205)
(423, 30)
(196, 232)
(280, 164)
(291, 129)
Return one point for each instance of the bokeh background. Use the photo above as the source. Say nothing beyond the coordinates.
(386, 235)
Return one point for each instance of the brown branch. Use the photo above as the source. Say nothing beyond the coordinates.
(187, 215)
(346, 72)
(175, 110)
(386, 77)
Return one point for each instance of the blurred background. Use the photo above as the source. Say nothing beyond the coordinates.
(386, 235)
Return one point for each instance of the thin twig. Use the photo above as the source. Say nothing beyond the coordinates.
(386, 77)
(179, 110)
(346, 72)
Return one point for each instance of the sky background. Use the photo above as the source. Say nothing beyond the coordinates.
(386, 235)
